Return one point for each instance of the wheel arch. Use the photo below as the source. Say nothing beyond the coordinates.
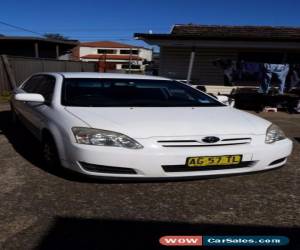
(55, 135)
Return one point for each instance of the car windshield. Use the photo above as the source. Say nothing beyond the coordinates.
(87, 92)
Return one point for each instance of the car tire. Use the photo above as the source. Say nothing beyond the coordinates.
(50, 153)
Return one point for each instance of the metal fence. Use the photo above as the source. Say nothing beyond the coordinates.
(14, 70)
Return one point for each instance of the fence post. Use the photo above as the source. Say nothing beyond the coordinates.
(9, 72)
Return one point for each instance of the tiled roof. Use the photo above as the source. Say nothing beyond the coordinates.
(107, 44)
(237, 31)
(216, 32)
(112, 57)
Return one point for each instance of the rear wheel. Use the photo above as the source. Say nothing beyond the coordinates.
(50, 153)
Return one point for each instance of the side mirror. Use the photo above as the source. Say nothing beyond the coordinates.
(27, 97)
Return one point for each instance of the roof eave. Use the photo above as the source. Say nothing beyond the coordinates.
(153, 37)
(39, 39)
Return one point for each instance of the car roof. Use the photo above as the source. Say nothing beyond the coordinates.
(109, 75)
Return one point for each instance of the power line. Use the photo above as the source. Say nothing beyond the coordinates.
(108, 36)
(81, 29)
(79, 36)
(91, 30)
(20, 28)
(106, 29)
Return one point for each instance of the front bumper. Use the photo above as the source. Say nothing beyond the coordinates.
(149, 161)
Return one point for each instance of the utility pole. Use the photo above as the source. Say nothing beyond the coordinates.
(130, 57)
(191, 64)
(57, 51)
(36, 50)
(104, 70)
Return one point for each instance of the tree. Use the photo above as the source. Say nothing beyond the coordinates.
(55, 36)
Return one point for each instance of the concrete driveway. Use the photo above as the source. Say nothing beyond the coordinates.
(44, 210)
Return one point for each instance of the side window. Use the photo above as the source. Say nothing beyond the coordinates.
(180, 94)
(46, 87)
(31, 85)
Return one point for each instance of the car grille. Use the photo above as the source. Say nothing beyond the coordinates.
(184, 168)
(199, 143)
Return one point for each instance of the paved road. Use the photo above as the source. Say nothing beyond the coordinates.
(44, 210)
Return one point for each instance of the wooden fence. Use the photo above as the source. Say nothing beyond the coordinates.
(14, 70)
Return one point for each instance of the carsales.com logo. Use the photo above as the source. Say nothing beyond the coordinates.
(199, 240)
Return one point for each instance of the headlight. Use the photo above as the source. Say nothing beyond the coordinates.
(274, 133)
(101, 137)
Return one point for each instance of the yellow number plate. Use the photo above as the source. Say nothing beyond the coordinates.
(223, 160)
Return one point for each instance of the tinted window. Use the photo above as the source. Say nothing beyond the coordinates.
(32, 84)
(106, 51)
(127, 52)
(43, 85)
(46, 87)
(131, 92)
(133, 66)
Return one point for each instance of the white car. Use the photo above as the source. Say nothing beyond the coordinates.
(133, 126)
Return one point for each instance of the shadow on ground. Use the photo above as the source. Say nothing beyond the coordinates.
(29, 148)
(22, 141)
(75, 233)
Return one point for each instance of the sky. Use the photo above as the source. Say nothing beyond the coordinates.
(118, 20)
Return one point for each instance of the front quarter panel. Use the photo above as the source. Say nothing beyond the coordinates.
(60, 122)
(60, 125)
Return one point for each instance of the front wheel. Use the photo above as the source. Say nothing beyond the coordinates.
(14, 117)
(50, 153)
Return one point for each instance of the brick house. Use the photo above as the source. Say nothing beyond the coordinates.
(114, 56)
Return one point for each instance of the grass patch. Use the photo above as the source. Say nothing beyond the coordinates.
(5, 97)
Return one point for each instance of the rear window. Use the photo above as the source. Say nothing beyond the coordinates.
(85, 92)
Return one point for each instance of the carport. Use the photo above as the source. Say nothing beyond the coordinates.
(37, 47)
(189, 51)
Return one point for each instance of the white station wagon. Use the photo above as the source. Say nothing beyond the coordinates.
(133, 126)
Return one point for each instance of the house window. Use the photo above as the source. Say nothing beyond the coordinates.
(133, 66)
(106, 51)
(127, 52)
